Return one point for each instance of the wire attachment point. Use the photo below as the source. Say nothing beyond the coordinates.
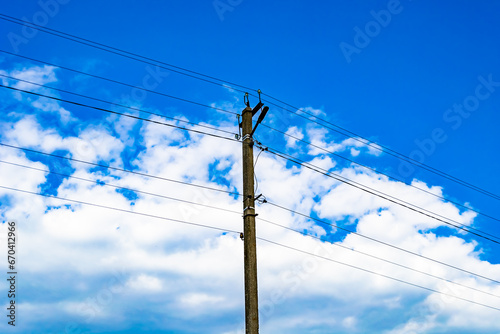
(246, 100)
(261, 200)
(238, 136)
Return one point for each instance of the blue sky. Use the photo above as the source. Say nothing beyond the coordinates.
(417, 77)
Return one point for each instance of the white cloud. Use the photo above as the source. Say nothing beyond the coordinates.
(360, 143)
(92, 144)
(41, 75)
(322, 144)
(199, 299)
(294, 134)
(314, 111)
(349, 322)
(145, 283)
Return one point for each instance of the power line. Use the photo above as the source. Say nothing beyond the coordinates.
(350, 134)
(328, 125)
(120, 210)
(227, 138)
(143, 174)
(467, 229)
(123, 53)
(102, 183)
(273, 153)
(286, 134)
(380, 173)
(233, 193)
(378, 274)
(119, 105)
(162, 123)
(233, 231)
(119, 82)
(118, 113)
(235, 212)
(383, 195)
(378, 258)
(382, 242)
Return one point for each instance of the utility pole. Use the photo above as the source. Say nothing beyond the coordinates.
(250, 246)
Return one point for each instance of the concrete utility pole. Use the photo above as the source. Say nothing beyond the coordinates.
(250, 247)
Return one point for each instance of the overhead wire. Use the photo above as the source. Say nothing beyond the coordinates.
(120, 83)
(271, 97)
(254, 173)
(225, 230)
(118, 113)
(133, 116)
(233, 193)
(456, 203)
(102, 183)
(383, 242)
(75, 159)
(126, 54)
(378, 274)
(366, 143)
(118, 104)
(120, 210)
(379, 172)
(382, 148)
(377, 257)
(365, 190)
(385, 196)
(321, 121)
(286, 134)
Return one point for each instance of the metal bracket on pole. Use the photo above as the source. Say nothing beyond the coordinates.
(260, 119)
(245, 137)
(257, 108)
